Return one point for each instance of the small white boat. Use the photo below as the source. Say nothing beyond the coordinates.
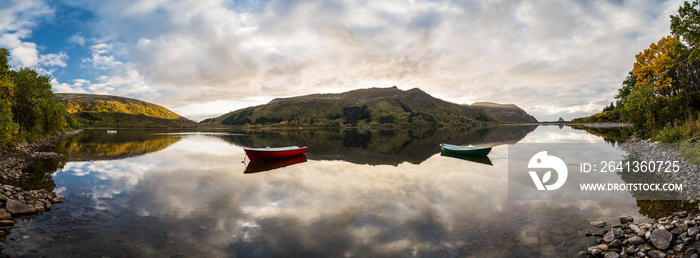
(111, 131)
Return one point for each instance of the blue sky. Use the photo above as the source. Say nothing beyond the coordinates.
(203, 58)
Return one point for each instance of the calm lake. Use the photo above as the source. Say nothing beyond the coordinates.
(358, 193)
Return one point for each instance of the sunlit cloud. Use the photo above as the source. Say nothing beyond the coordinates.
(554, 59)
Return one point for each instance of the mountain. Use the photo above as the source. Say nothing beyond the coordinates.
(507, 113)
(374, 106)
(112, 111)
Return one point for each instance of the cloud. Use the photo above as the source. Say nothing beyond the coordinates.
(188, 52)
(17, 19)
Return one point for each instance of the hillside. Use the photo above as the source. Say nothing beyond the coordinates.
(507, 113)
(374, 106)
(112, 111)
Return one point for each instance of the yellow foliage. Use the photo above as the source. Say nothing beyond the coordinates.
(656, 64)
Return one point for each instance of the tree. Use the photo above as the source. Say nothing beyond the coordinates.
(34, 108)
(686, 26)
(8, 128)
(657, 64)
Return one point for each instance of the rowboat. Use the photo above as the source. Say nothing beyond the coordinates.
(111, 131)
(269, 164)
(274, 153)
(464, 150)
(483, 159)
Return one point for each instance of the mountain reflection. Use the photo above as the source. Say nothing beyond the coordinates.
(378, 147)
(100, 145)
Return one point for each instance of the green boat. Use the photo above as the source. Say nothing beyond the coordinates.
(483, 159)
(464, 150)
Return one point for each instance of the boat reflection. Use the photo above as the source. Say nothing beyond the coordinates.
(483, 159)
(263, 165)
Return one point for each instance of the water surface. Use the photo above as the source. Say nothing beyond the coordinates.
(360, 193)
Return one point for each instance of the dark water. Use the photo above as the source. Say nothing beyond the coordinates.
(360, 193)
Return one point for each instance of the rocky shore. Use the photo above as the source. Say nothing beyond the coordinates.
(688, 174)
(677, 235)
(14, 159)
(15, 201)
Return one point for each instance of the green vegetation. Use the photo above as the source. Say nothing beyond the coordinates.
(112, 111)
(364, 107)
(27, 107)
(661, 95)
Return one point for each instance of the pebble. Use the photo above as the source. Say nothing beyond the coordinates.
(649, 239)
(598, 223)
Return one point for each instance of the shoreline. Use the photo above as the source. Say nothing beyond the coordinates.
(677, 235)
(15, 201)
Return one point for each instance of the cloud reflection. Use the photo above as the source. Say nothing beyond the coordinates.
(441, 207)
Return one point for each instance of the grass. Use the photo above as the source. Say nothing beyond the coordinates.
(678, 131)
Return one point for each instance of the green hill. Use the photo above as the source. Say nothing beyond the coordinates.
(374, 106)
(112, 111)
(507, 113)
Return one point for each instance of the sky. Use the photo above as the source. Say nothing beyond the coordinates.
(204, 58)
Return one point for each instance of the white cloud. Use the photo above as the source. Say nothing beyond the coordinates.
(565, 56)
(78, 40)
(17, 19)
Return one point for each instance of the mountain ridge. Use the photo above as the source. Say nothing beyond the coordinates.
(509, 113)
(114, 111)
(360, 107)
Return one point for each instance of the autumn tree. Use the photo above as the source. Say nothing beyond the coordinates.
(656, 65)
(8, 128)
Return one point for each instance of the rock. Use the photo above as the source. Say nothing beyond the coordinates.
(15, 208)
(636, 229)
(656, 254)
(693, 231)
(608, 237)
(661, 238)
(603, 247)
(6, 222)
(636, 240)
(626, 219)
(4, 214)
(598, 223)
(681, 214)
(615, 243)
(611, 255)
(600, 233)
(594, 250)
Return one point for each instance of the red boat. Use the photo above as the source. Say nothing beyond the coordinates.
(274, 153)
(269, 164)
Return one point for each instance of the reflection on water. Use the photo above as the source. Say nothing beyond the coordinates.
(193, 199)
(101, 145)
(263, 165)
(379, 147)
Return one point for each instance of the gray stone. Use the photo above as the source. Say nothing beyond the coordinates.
(15, 208)
(636, 240)
(636, 229)
(615, 243)
(603, 247)
(598, 223)
(608, 237)
(625, 219)
(656, 254)
(681, 214)
(594, 250)
(661, 238)
(611, 255)
(693, 231)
